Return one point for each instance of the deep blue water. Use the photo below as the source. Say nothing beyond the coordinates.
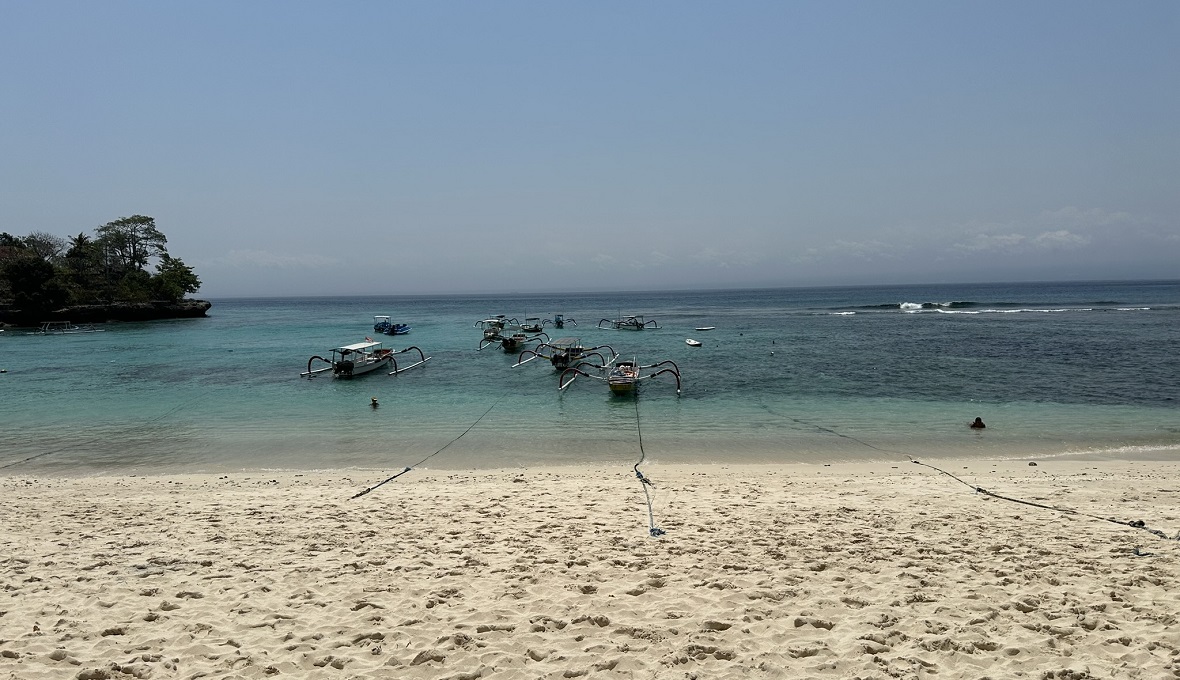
(816, 374)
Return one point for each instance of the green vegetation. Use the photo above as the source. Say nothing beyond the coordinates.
(42, 272)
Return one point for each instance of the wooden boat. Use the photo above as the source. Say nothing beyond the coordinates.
(497, 321)
(350, 361)
(692, 343)
(64, 328)
(628, 323)
(516, 341)
(622, 377)
(493, 329)
(532, 324)
(563, 353)
(705, 328)
(382, 324)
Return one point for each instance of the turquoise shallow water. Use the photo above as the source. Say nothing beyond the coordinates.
(820, 374)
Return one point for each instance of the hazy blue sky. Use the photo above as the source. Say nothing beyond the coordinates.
(434, 147)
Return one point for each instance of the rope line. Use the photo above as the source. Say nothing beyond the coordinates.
(829, 430)
(652, 529)
(1135, 524)
(390, 479)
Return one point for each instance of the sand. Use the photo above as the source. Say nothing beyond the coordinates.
(794, 571)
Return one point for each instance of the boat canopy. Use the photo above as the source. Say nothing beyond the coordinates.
(357, 347)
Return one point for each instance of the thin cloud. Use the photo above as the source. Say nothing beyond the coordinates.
(1069, 227)
(1061, 239)
(991, 243)
(711, 257)
(265, 259)
(1075, 218)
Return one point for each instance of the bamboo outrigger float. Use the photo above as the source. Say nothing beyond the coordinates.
(622, 377)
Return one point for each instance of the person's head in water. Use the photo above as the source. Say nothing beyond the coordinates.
(374, 404)
(978, 423)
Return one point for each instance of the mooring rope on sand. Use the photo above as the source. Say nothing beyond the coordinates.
(652, 529)
(390, 479)
(1134, 524)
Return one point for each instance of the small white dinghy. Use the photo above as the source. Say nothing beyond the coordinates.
(705, 328)
(692, 343)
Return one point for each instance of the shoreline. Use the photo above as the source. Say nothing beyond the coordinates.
(55, 464)
(817, 570)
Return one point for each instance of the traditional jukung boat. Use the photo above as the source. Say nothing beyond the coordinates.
(532, 324)
(622, 377)
(692, 343)
(628, 323)
(563, 353)
(64, 328)
(382, 324)
(559, 321)
(497, 321)
(513, 343)
(350, 361)
(493, 329)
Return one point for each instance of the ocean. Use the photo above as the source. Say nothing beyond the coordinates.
(787, 375)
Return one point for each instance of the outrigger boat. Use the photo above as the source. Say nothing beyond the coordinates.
(559, 321)
(382, 324)
(63, 328)
(498, 321)
(493, 329)
(628, 323)
(566, 352)
(360, 358)
(514, 342)
(622, 377)
(533, 324)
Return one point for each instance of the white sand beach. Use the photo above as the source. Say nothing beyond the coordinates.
(791, 571)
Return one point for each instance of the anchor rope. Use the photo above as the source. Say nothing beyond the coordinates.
(1135, 524)
(652, 529)
(407, 469)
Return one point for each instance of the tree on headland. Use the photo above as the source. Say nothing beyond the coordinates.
(174, 279)
(45, 246)
(133, 240)
(32, 284)
(41, 272)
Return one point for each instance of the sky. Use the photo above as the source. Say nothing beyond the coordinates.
(381, 147)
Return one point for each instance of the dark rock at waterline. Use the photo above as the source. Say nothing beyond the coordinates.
(115, 311)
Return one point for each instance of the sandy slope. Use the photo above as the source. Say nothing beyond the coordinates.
(765, 572)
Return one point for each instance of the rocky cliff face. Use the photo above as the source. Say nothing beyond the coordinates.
(117, 311)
